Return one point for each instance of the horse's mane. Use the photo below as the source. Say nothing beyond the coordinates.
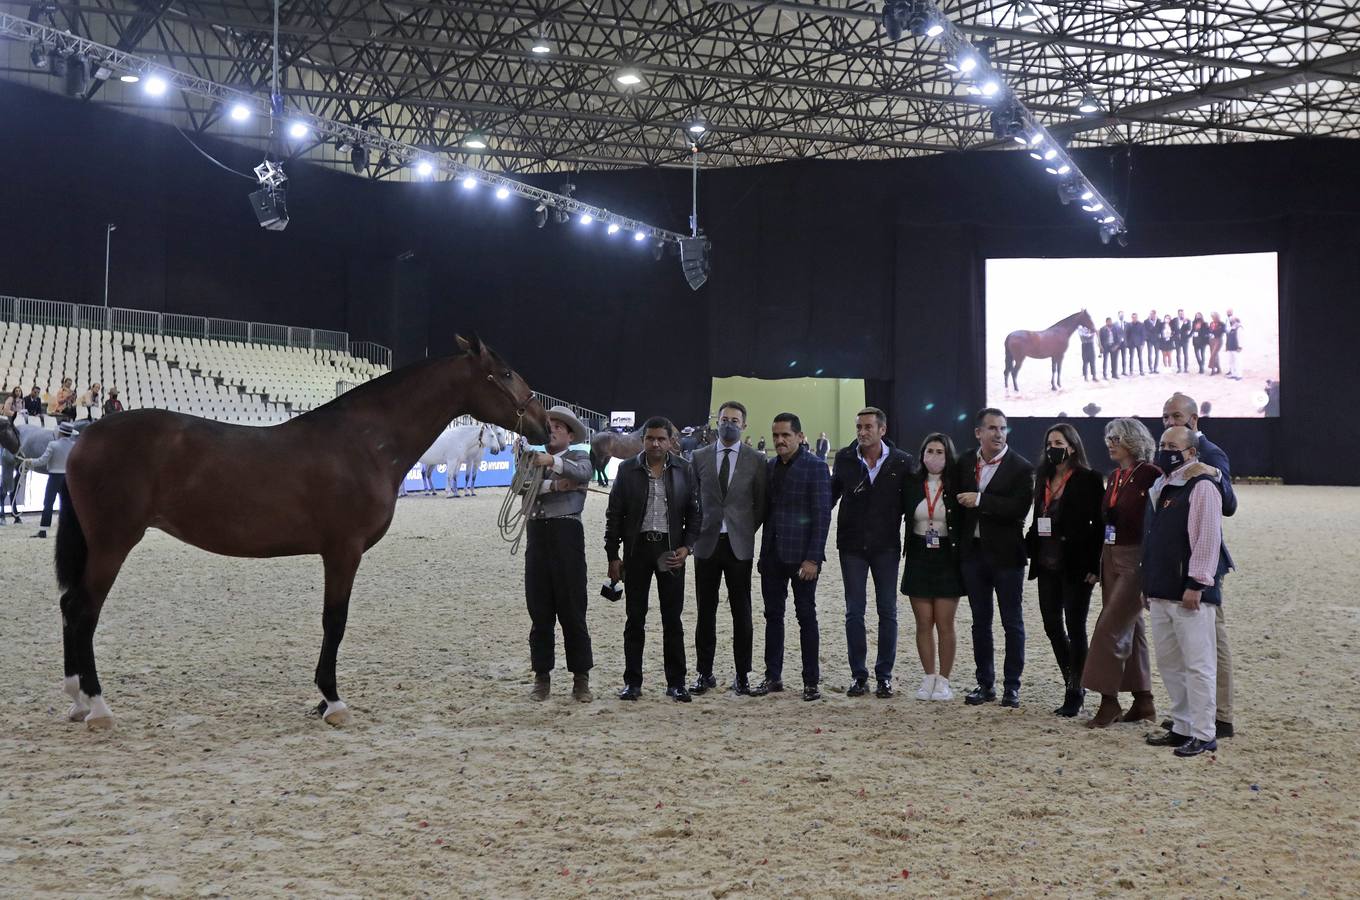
(1063, 321)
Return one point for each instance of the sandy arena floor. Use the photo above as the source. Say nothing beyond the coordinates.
(451, 782)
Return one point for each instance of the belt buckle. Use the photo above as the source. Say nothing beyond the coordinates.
(653, 537)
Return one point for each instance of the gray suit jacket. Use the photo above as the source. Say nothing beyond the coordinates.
(744, 507)
(554, 505)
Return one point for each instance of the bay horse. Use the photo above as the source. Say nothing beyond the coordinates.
(1051, 343)
(607, 445)
(324, 482)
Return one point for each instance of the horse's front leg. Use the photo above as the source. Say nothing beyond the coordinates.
(472, 479)
(340, 565)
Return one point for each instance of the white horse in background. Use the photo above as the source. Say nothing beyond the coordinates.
(460, 445)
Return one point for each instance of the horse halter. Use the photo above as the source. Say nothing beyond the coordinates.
(521, 407)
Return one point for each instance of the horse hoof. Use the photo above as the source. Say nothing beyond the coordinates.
(77, 713)
(98, 723)
(337, 714)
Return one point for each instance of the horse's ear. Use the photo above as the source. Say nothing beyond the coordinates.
(462, 343)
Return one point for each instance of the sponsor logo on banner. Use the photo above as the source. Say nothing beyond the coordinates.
(619, 419)
(493, 470)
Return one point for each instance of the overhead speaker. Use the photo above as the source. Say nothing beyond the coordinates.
(694, 260)
(271, 208)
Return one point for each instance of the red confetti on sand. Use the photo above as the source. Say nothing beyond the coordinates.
(905, 873)
(659, 805)
(439, 840)
(863, 793)
(565, 871)
(817, 731)
(423, 824)
(763, 861)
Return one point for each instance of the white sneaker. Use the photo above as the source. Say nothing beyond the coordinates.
(927, 688)
(942, 690)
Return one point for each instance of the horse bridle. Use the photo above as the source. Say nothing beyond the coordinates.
(520, 407)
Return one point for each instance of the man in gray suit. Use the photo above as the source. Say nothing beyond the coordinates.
(555, 557)
(731, 478)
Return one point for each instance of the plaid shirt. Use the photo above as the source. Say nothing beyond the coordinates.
(657, 516)
(798, 514)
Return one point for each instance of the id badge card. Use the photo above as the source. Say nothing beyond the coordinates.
(932, 539)
(1109, 534)
(1045, 525)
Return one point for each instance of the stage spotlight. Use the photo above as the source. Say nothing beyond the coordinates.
(896, 14)
(57, 63)
(613, 228)
(1008, 121)
(1050, 153)
(1089, 104)
(469, 182)
(129, 78)
(1027, 14)
(1093, 207)
(475, 140)
(540, 46)
(502, 193)
(358, 159)
(297, 131)
(628, 77)
(240, 112)
(38, 56)
(424, 168)
(540, 215)
(990, 87)
(639, 236)
(155, 86)
(967, 62)
(696, 125)
(1064, 169)
(1069, 191)
(586, 218)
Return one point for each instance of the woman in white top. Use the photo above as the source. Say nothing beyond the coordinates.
(932, 576)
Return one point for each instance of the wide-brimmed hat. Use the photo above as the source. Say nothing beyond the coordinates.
(66, 429)
(579, 432)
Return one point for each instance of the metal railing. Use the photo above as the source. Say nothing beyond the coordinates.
(595, 421)
(27, 310)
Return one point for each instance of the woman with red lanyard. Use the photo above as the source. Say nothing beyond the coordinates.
(1118, 660)
(1064, 542)
(932, 576)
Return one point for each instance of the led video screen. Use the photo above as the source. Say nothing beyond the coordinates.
(1116, 337)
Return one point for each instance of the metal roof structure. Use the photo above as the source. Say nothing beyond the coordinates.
(537, 80)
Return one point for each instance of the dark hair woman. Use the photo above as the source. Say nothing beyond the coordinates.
(932, 576)
(1064, 540)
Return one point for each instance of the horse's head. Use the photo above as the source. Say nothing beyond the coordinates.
(496, 438)
(500, 396)
(9, 435)
(1085, 321)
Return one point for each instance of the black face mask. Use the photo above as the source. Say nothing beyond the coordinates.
(1055, 455)
(1170, 460)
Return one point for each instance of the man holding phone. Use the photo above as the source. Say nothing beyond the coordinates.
(654, 513)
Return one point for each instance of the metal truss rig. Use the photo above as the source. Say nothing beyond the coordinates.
(1011, 119)
(111, 60)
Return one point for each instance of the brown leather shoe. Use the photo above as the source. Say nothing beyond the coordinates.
(1143, 709)
(1107, 714)
(542, 685)
(580, 688)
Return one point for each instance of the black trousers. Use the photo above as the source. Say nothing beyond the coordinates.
(1088, 360)
(708, 577)
(775, 579)
(555, 591)
(1136, 355)
(1153, 349)
(639, 568)
(1199, 357)
(55, 482)
(1182, 357)
(1065, 604)
(1109, 363)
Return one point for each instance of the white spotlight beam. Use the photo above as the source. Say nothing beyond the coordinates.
(1102, 211)
(120, 62)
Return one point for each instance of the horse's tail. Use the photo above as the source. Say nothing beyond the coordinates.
(72, 551)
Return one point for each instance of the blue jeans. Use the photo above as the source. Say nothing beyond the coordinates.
(855, 569)
(775, 577)
(1008, 583)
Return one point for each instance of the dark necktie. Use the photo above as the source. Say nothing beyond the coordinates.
(724, 471)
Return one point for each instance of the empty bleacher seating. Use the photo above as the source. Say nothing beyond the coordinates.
(243, 383)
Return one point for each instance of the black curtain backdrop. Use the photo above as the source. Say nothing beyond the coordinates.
(868, 270)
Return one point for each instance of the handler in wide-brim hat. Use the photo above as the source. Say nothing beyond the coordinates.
(555, 557)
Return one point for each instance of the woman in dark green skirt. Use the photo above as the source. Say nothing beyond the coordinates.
(932, 576)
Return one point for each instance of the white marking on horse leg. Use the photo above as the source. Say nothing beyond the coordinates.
(337, 713)
(100, 716)
(80, 704)
(71, 686)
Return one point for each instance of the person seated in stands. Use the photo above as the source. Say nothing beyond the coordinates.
(33, 403)
(89, 401)
(14, 403)
(113, 404)
(63, 405)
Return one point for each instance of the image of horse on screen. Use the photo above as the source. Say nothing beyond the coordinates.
(1117, 337)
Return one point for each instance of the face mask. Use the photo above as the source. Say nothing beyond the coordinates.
(934, 464)
(729, 432)
(1055, 455)
(1170, 460)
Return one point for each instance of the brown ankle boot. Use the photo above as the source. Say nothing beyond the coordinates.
(542, 685)
(1108, 713)
(1143, 709)
(580, 688)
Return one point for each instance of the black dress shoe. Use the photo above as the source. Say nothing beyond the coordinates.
(1167, 724)
(1072, 704)
(858, 688)
(1166, 739)
(1010, 697)
(702, 684)
(1194, 747)
(810, 692)
(980, 695)
(741, 687)
(767, 686)
(1222, 730)
(679, 694)
(630, 692)
(884, 689)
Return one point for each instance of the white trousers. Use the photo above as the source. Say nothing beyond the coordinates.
(1187, 656)
(1232, 363)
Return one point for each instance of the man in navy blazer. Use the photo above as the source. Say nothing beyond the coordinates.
(792, 550)
(1183, 410)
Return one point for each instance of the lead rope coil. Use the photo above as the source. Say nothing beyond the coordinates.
(524, 490)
